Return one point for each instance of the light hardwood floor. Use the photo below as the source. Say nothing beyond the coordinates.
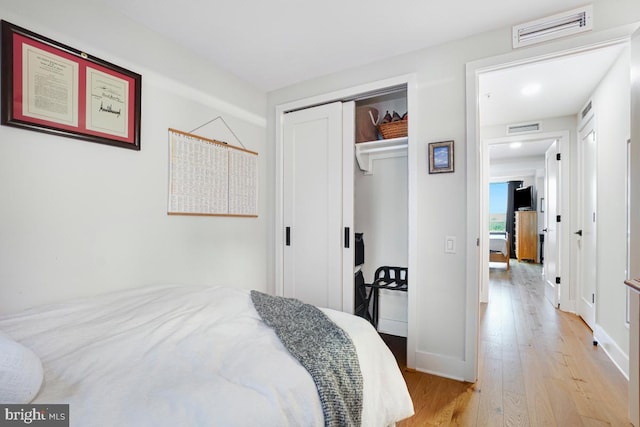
(537, 367)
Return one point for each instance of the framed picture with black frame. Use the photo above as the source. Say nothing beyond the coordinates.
(50, 87)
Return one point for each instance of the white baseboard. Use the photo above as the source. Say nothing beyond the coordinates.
(612, 350)
(442, 366)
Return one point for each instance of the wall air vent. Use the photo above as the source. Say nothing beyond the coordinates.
(553, 27)
(523, 128)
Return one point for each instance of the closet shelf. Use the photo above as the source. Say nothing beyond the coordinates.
(367, 152)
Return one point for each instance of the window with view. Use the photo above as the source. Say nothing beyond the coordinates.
(498, 206)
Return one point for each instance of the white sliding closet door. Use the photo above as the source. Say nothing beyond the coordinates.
(313, 215)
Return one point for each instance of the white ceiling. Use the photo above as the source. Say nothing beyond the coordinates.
(527, 150)
(565, 85)
(275, 43)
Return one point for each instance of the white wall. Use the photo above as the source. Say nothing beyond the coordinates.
(80, 218)
(611, 106)
(441, 203)
(516, 169)
(441, 287)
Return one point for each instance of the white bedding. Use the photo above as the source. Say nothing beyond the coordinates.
(190, 356)
(498, 243)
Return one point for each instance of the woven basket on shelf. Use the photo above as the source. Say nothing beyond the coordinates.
(392, 130)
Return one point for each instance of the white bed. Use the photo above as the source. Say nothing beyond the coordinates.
(190, 356)
(499, 248)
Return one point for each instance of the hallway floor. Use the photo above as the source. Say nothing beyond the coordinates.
(537, 367)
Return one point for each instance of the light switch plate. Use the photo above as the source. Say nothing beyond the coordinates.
(450, 245)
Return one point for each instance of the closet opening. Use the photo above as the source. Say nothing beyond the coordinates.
(381, 217)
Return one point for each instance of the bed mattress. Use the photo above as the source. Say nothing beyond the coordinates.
(186, 355)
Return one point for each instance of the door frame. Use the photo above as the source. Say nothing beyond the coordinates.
(348, 94)
(531, 54)
(563, 138)
(633, 228)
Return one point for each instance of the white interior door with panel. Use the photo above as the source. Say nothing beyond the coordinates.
(312, 205)
(551, 241)
(587, 219)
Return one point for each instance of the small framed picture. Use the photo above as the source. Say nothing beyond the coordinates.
(441, 159)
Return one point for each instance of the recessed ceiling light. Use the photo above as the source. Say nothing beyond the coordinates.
(515, 145)
(531, 89)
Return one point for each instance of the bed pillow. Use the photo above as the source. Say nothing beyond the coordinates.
(21, 372)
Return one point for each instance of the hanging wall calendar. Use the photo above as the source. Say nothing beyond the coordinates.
(209, 177)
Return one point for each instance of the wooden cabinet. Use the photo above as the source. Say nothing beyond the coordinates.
(526, 235)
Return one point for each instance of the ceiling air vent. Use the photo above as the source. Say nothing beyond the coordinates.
(553, 27)
(528, 127)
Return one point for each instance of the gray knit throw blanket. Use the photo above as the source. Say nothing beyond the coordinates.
(324, 349)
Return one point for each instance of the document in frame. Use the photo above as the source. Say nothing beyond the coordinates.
(49, 86)
(107, 103)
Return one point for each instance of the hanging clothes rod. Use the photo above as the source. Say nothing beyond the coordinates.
(225, 123)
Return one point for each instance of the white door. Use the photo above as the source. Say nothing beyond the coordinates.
(587, 220)
(312, 205)
(551, 252)
(634, 233)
